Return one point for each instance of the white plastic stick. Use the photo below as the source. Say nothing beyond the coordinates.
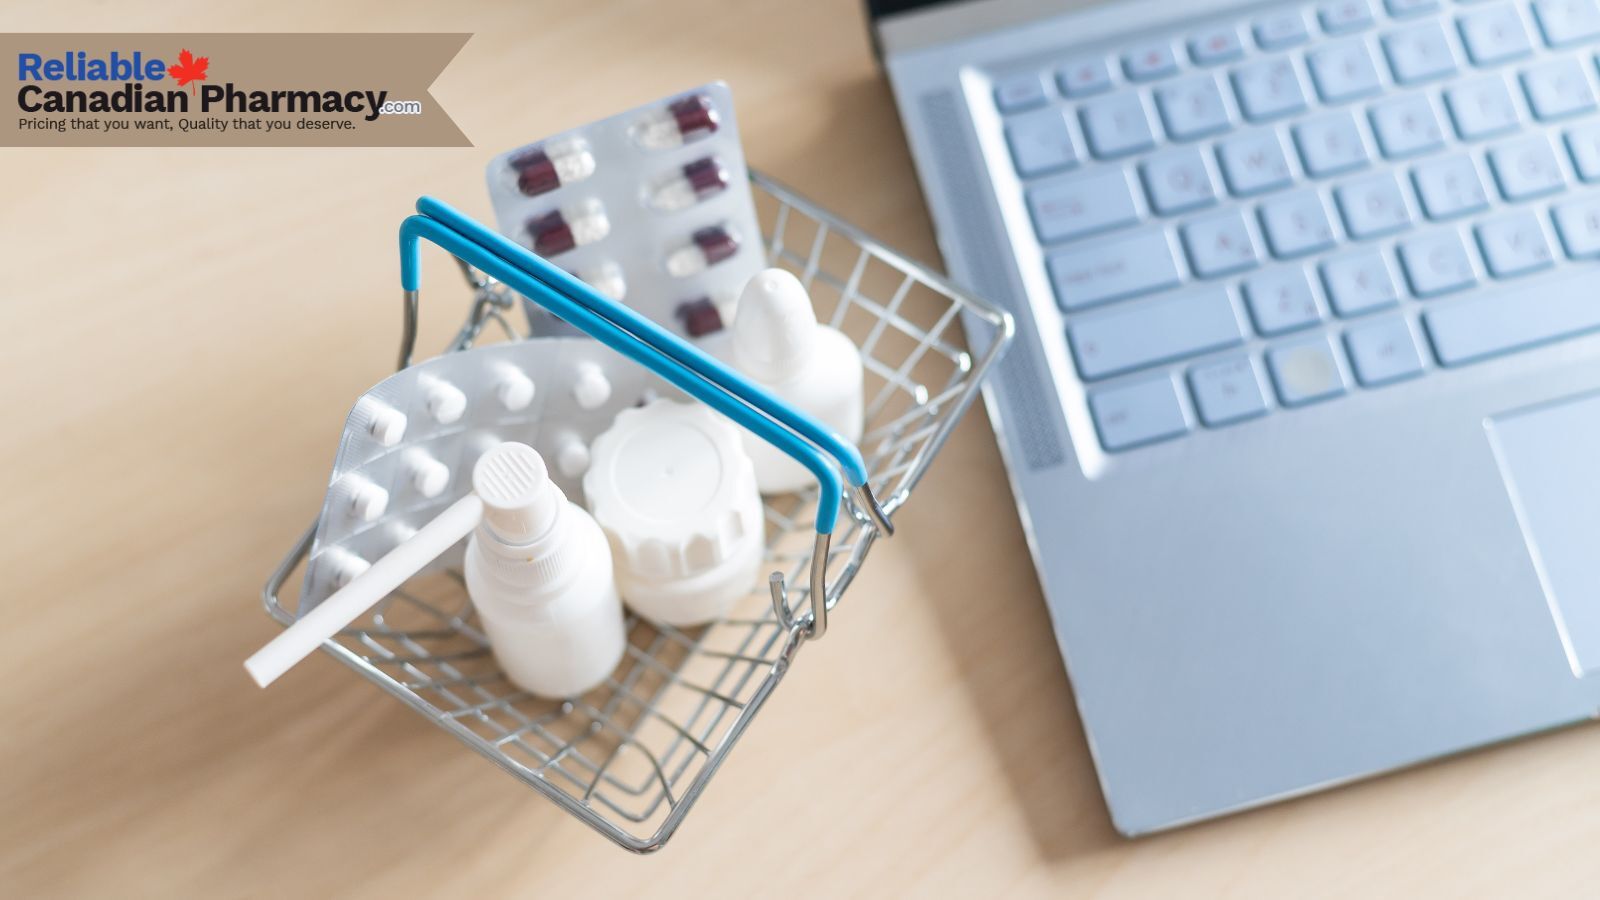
(349, 602)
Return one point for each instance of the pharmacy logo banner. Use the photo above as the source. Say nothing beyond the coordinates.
(225, 90)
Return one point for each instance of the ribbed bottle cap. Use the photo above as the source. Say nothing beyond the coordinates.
(520, 502)
(673, 488)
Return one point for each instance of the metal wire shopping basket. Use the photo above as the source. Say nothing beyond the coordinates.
(630, 757)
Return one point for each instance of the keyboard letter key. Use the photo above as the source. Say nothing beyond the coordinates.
(1296, 224)
(1280, 300)
(1437, 264)
(1526, 167)
(1578, 222)
(1129, 266)
(1449, 186)
(1158, 331)
(1406, 127)
(1116, 125)
(1373, 206)
(1359, 282)
(1143, 412)
(1192, 107)
(1255, 163)
(1219, 244)
(1514, 244)
(1268, 89)
(1494, 34)
(1343, 71)
(1566, 22)
(1419, 53)
(1330, 144)
(1481, 108)
(1557, 89)
(1177, 181)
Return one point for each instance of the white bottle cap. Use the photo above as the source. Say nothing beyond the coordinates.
(672, 487)
(591, 388)
(429, 476)
(444, 400)
(520, 502)
(512, 387)
(775, 328)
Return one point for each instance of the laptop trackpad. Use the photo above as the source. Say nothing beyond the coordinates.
(1549, 456)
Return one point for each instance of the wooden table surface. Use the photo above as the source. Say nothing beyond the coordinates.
(181, 333)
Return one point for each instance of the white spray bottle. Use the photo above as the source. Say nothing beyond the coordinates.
(538, 569)
(778, 343)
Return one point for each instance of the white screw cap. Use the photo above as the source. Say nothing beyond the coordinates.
(444, 400)
(519, 501)
(591, 388)
(512, 387)
(775, 327)
(367, 501)
(428, 475)
(671, 485)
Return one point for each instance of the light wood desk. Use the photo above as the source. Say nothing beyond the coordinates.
(181, 333)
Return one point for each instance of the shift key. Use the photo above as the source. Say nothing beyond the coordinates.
(1161, 331)
(1126, 267)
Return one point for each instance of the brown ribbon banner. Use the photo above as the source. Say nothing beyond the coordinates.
(225, 90)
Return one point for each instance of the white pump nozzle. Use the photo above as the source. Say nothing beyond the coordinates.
(513, 495)
(775, 327)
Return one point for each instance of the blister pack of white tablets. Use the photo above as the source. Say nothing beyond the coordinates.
(651, 207)
(410, 442)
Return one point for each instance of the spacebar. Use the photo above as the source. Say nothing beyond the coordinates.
(1513, 319)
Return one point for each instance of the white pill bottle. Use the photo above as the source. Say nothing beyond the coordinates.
(539, 571)
(779, 344)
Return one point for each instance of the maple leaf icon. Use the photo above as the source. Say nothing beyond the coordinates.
(189, 69)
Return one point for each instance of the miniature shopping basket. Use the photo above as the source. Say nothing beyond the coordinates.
(630, 757)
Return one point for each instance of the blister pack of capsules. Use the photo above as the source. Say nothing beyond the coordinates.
(409, 443)
(651, 207)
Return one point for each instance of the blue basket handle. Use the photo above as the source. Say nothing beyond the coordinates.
(689, 368)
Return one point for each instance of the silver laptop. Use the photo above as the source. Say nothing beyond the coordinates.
(1303, 416)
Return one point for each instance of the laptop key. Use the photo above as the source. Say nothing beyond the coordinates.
(1140, 263)
(1514, 244)
(1192, 107)
(1275, 31)
(1437, 264)
(1216, 45)
(1419, 53)
(1341, 16)
(1018, 92)
(1085, 76)
(1330, 144)
(1449, 186)
(1403, 8)
(1383, 352)
(1040, 143)
(1268, 89)
(1343, 71)
(1081, 205)
(1578, 224)
(1116, 125)
(1296, 224)
(1557, 89)
(1149, 61)
(1567, 22)
(1481, 108)
(1281, 300)
(1359, 282)
(1219, 244)
(1583, 143)
(1143, 412)
(1177, 181)
(1526, 167)
(1494, 34)
(1373, 206)
(1406, 127)
(1512, 319)
(1305, 371)
(1226, 392)
(1253, 163)
(1163, 330)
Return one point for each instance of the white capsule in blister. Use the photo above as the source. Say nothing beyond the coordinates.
(429, 476)
(679, 122)
(445, 402)
(591, 388)
(367, 501)
(706, 248)
(383, 422)
(512, 387)
(606, 278)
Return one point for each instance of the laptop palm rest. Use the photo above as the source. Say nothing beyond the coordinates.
(1549, 457)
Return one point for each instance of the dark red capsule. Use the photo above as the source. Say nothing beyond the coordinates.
(699, 317)
(536, 173)
(695, 117)
(706, 176)
(717, 243)
(551, 234)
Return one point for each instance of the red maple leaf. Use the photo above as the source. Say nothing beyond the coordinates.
(189, 68)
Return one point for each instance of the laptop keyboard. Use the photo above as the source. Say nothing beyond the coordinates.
(1311, 202)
